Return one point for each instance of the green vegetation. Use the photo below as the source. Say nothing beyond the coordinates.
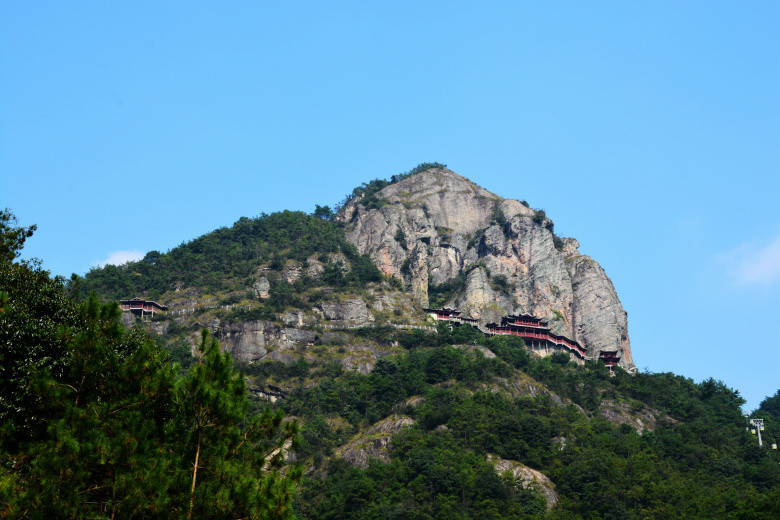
(226, 258)
(539, 216)
(323, 212)
(440, 294)
(96, 422)
(500, 283)
(698, 463)
(444, 232)
(400, 238)
(13, 237)
(499, 219)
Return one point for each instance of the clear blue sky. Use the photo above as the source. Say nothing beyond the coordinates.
(650, 131)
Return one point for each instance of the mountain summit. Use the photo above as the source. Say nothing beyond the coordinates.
(456, 244)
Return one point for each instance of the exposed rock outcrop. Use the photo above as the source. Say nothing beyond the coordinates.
(262, 288)
(526, 477)
(643, 418)
(523, 385)
(260, 340)
(247, 341)
(373, 442)
(350, 313)
(436, 226)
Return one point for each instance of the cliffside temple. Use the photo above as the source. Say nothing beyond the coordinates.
(609, 358)
(140, 307)
(534, 331)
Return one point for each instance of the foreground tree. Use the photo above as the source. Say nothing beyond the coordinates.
(96, 422)
(234, 461)
(125, 437)
(105, 452)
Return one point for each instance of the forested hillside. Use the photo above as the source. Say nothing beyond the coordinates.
(441, 422)
(641, 446)
(225, 258)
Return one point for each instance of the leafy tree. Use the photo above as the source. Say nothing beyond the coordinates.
(771, 405)
(104, 452)
(227, 257)
(36, 312)
(323, 212)
(12, 237)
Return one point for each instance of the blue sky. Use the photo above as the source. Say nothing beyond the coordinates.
(649, 131)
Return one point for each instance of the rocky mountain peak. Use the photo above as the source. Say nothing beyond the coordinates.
(454, 243)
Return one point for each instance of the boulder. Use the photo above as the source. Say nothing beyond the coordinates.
(261, 288)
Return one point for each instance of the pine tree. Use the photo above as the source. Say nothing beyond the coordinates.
(126, 438)
(105, 452)
(234, 462)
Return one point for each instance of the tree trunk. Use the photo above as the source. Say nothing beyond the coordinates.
(194, 478)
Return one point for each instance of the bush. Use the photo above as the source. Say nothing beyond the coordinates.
(439, 295)
(400, 238)
(500, 283)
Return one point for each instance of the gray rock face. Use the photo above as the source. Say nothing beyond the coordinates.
(593, 290)
(247, 341)
(292, 271)
(127, 319)
(298, 336)
(438, 225)
(352, 312)
(315, 268)
(260, 340)
(262, 287)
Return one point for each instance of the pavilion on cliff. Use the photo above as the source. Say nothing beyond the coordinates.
(140, 307)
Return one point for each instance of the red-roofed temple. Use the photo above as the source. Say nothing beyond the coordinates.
(535, 332)
(140, 307)
(537, 335)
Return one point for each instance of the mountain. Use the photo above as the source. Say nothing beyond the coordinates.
(492, 256)
(400, 416)
(269, 284)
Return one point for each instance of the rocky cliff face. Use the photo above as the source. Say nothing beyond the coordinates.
(500, 257)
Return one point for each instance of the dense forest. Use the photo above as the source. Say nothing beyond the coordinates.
(699, 462)
(98, 421)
